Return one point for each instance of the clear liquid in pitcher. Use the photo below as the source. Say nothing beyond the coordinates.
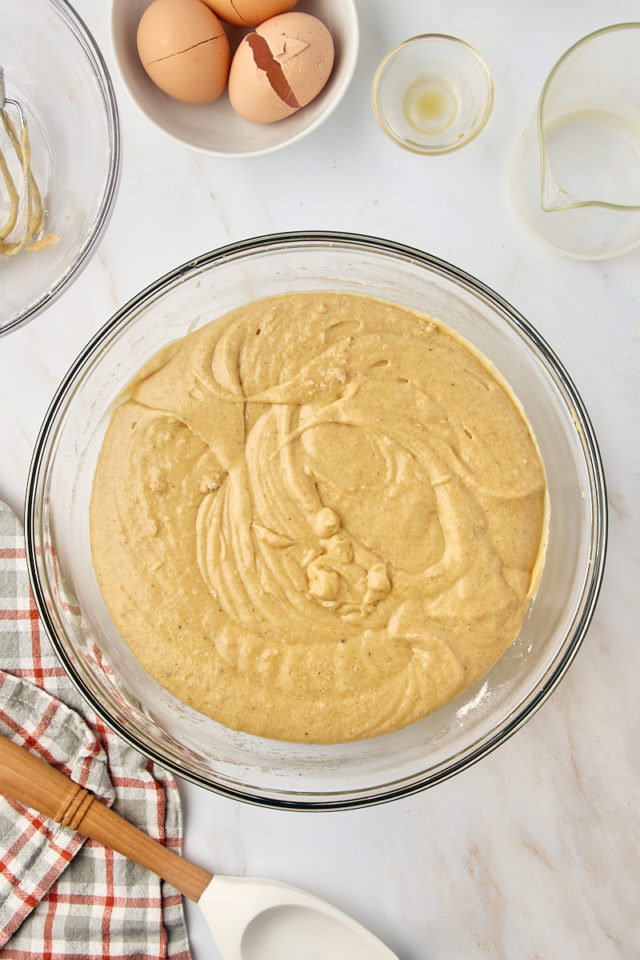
(594, 155)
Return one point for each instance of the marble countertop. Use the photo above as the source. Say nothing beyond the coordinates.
(533, 852)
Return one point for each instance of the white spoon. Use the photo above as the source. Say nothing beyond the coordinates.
(249, 918)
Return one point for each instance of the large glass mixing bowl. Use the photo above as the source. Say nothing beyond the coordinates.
(270, 772)
(55, 71)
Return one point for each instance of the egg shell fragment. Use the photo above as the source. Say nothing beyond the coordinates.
(245, 13)
(184, 49)
(280, 67)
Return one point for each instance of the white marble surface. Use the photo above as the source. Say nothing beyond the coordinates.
(532, 853)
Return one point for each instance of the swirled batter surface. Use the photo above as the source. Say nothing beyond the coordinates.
(318, 518)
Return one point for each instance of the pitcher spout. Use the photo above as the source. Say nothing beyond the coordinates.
(553, 197)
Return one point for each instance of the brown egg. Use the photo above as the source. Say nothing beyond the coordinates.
(279, 67)
(184, 49)
(249, 12)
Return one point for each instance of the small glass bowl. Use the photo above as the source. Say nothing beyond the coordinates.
(305, 776)
(432, 94)
(54, 69)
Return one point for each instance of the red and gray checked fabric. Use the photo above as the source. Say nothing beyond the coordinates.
(61, 896)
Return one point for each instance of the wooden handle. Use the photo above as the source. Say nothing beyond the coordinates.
(36, 784)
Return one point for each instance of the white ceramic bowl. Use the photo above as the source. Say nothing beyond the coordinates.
(215, 128)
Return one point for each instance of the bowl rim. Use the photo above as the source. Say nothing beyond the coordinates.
(78, 28)
(412, 783)
(353, 50)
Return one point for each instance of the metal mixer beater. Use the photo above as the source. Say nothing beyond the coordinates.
(14, 134)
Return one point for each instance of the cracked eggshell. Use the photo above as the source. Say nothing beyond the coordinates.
(245, 13)
(184, 49)
(301, 53)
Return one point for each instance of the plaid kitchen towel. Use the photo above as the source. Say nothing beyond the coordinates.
(62, 896)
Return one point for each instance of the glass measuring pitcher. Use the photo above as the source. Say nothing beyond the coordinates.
(575, 176)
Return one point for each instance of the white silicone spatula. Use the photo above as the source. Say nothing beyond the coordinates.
(250, 919)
